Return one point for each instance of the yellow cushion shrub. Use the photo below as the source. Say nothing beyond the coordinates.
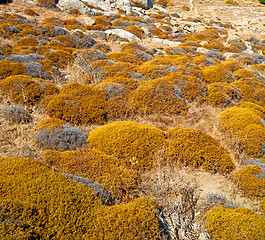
(158, 96)
(59, 58)
(191, 86)
(106, 170)
(136, 31)
(11, 68)
(50, 123)
(134, 143)
(243, 73)
(253, 90)
(216, 73)
(152, 71)
(195, 148)
(259, 110)
(124, 57)
(6, 49)
(237, 224)
(78, 104)
(25, 89)
(135, 220)
(249, 183)
(53, 205)
(203, 61)
(118, 90)
(235, 119)
(27, 41)
(231, 65)
(245, 124)
(222, 94)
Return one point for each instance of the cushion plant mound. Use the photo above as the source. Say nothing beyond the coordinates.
(239, 223)
(195, 148)
(159, 96)
(135, 220)
(248, 181)
(106, 170)
(54, 206)
(78, 104)
(25, 89)
(246, 124)
(134, 143)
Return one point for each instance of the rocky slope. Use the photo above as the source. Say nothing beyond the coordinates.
(138, 103)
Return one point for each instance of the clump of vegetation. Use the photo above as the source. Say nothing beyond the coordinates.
(134, 220)
(192, 147)
(158, 96)
(108, 171)
(222, 94)
(55, 134)
(30, 12)
(246, 125)
(78, 104)
(47, 3)
(53, 205)
(216, 73)
(26, 90)
(27, 41)
(16, 114)
(134, 143)
(124, 57)
(11, 68)
(118, 90)
(238, 223)
(248, 181)
(59, 58)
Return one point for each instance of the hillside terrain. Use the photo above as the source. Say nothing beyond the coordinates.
(139, 124)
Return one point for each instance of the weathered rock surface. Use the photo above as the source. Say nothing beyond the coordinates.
(123, 34)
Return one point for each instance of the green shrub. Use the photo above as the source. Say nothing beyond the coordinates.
(134, 143)
(92, 164)
(195, 148)
(54, 206)
(134, 220)
(249, 183)
(237, 224)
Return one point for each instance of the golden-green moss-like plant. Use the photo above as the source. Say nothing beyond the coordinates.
(26, 90)
(135, 220)
(6, 49)
(253, 90)
(136, 31)
(78, 104)
(231, 65)
(205, 35)
(235, 119)
(124, 57)
(243, 73)
(133, 46)
(246, 125)
(214, 44)
(158, 96)
(237, 224)
(50, 123)
(59, 58)
(222, 94)
(192, 147)
(27, 41)
(204, 61)
(259, 110)
(216, 73)
(134, 143)
(118, 90)
(106, 170)
(249, 183)
(11, 68)
(120, 69)
(191, 86)
(54, 206)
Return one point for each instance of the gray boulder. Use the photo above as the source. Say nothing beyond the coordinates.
(27, 58)
(123, 34)
(66, 5)
(145, 4)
